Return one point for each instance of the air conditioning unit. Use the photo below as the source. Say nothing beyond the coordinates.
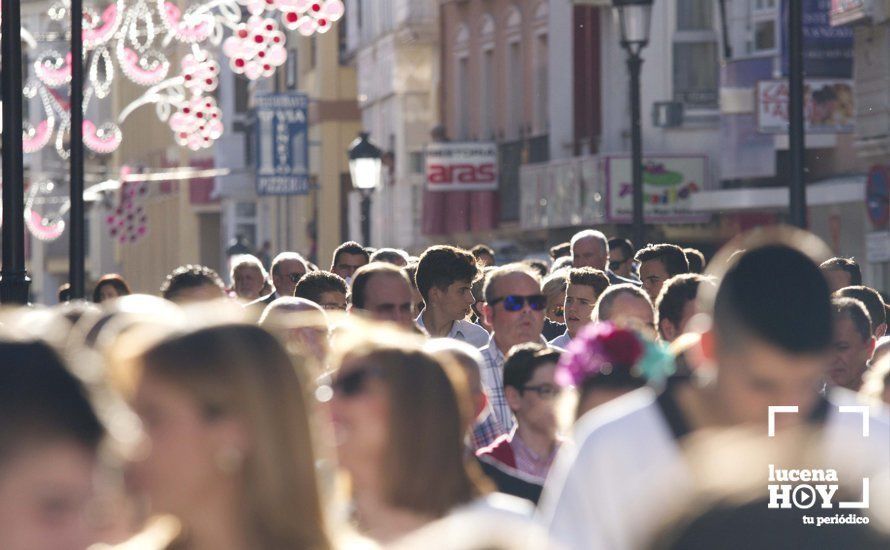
(667, 114)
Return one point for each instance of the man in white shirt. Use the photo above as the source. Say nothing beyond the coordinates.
(767, 346)
(444, 279)
(585, 284)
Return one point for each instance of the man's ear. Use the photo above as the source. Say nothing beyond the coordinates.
(871, 346)
(512, 396)
(488, 314)
(667, 330)
(881, 331)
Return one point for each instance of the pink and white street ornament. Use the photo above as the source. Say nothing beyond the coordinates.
(197, 124)
(256, 48)
(310, 16)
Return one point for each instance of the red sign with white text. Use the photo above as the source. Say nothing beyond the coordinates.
(467, 166)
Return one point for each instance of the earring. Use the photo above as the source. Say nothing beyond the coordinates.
(229, 459)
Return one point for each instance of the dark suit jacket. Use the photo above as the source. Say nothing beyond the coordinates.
(618, 280)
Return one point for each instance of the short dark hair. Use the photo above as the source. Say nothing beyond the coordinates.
(315, 283)
(40, 400)
(626, 247)
(560, 250)
(189, 276)
(114, 280)
(411, 271)
(441, 266)
(588, 276)
(856, 312)
(363, 276)
(538, 265)
(670, 255)
(870, 298)
(777, 294)
(847, 265)
(350, 247)
(696, 260)
(523, 360)
(64, 293)
(481, 249)
(675, 294)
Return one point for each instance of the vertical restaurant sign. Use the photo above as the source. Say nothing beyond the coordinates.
(828, 106)
(668, 185)
(463, 166)
(282, 144)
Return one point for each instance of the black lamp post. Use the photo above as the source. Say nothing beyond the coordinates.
(796, 129)
(365, 167)
(76, 237)
(14, 279)
(634, 18)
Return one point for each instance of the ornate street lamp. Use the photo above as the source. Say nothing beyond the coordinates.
(366, 169)
(634, 17)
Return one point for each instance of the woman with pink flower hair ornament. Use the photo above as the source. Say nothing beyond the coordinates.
(605, 362)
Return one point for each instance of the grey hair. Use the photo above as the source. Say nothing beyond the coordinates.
(248, 260)
(285, 305)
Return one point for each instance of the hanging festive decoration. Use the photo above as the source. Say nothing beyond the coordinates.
(127, 222)
(135, 39)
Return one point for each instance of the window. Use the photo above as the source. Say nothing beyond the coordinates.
(763, 28)
(695, 55)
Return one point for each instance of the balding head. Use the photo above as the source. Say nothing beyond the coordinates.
(590, 248)
(625, 303)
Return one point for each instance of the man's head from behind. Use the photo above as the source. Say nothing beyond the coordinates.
(658, 263)
(853, 343)
(626, 304)
(872, 302)
(771, 327)
(841, 272)
(348, 257)
(514, 305)
(382, 291)
(590, 248)
(444, 277)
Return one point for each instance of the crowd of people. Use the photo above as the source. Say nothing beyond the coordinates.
(611, 398)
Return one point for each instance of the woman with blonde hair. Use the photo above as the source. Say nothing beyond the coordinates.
(400, 416)
(229, 449)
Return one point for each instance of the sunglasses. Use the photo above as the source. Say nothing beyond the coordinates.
(354, 383)
(538, 302)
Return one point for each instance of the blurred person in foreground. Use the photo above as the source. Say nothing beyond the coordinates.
(303, 326)
(400, 418)
(109, 287)
(485, 428)
(228, 459)
(527, 452)
(193, 283)
(444, 277)
(49, 440)
(768, 345)
(585, 286)
(606, 361)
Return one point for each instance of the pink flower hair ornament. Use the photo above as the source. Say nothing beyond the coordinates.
(603, 349)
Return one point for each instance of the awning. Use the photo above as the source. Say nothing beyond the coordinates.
(840, 190)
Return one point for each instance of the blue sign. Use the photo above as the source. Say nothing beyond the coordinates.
(282, 144)
(877, 196)
(827, 50)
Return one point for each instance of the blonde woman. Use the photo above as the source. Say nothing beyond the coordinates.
(228, 460)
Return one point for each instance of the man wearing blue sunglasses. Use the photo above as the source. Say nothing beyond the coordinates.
(514, 308)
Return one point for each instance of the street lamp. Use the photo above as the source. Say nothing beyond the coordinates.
(634, 17)
(365, 167)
